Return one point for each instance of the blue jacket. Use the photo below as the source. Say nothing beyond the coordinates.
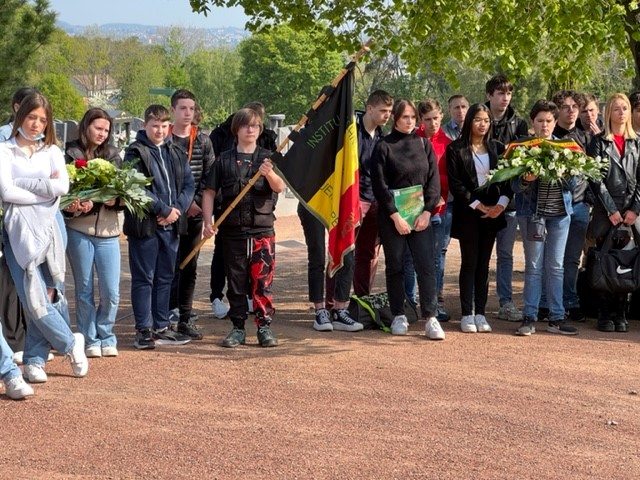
(526, 195)
(172, 184)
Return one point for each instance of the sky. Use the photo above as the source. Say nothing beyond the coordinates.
(144, 12)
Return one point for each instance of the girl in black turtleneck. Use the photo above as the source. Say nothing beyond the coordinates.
(403, 159)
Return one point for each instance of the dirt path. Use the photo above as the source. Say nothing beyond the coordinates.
(336, 405)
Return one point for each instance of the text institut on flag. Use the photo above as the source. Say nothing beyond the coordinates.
(321, 168)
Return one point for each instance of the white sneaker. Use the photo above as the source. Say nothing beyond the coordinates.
(94, 351)
(468, 324)
(17, 388)
(433, 330)
(109, 351)
(219, 308)
(79, 362)
(481, 324)
(35, 374)
(400, 325)
(50, 357)
(17, 357)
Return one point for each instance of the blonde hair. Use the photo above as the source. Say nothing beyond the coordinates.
(628, 126)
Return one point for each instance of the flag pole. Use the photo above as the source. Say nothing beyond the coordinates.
(321, 99)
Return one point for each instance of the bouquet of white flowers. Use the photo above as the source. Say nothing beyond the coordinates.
(99, 180)
(549, 160)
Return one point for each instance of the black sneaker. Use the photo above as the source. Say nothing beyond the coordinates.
(266, 338)
(144, 340)
(561, 327)
(166, 336)
(190, 330)
(322, 323)
(234, 338)
(342, 321)
(527, 327)
(575, 315)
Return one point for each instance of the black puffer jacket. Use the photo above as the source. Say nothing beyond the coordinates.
(508, 128)
(201, 159)
(619, 190)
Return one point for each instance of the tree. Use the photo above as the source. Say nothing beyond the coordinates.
(174, 53)
(66, 102)
(284, 70)
(557, 38)
(213, 75)
(137, 68)
(25, 27)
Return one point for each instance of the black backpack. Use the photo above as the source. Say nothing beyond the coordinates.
(373, 311)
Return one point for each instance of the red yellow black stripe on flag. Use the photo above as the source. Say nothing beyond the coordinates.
(535, 142)
(321, 168)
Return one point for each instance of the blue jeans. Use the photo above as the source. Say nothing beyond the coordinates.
(545, 257)
(152, 261)
(442, 236)
(53, 329)
(8, 368)
(505, 240)
(573, 254)
(86, 252)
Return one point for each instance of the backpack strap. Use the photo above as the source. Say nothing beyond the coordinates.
(374, 314)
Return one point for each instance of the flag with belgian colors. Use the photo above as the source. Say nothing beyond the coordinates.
(321, 168)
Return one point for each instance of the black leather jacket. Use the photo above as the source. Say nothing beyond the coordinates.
(619, 190)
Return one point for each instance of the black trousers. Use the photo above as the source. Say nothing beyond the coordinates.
(184, 281)
(476, 244)
(14, 320)
(422, 247)
(338, 287)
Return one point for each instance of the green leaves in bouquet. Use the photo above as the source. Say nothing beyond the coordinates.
(132, 182)
(101, 181)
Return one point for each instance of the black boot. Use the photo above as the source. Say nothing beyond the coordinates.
(605, 321)
(620, 321)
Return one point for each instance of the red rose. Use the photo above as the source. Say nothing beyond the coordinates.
(81, 163)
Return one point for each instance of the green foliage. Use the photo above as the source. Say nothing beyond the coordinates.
(174, 53)
(65, 100)
(556, 38)
(285, 70)
(25, 26)
(136, 69)
(213, 75)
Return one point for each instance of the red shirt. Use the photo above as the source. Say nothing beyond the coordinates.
(439, 142)
(619, 141)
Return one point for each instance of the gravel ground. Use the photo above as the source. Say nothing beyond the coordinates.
(336, 405)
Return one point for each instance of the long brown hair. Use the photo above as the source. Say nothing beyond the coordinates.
(28, 105)
(99, 151)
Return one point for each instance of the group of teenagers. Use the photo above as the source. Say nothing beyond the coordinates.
(453, 162)
(195, 177)
(192, 177)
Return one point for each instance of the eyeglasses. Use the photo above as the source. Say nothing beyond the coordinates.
(569, 108)
(255, 126)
